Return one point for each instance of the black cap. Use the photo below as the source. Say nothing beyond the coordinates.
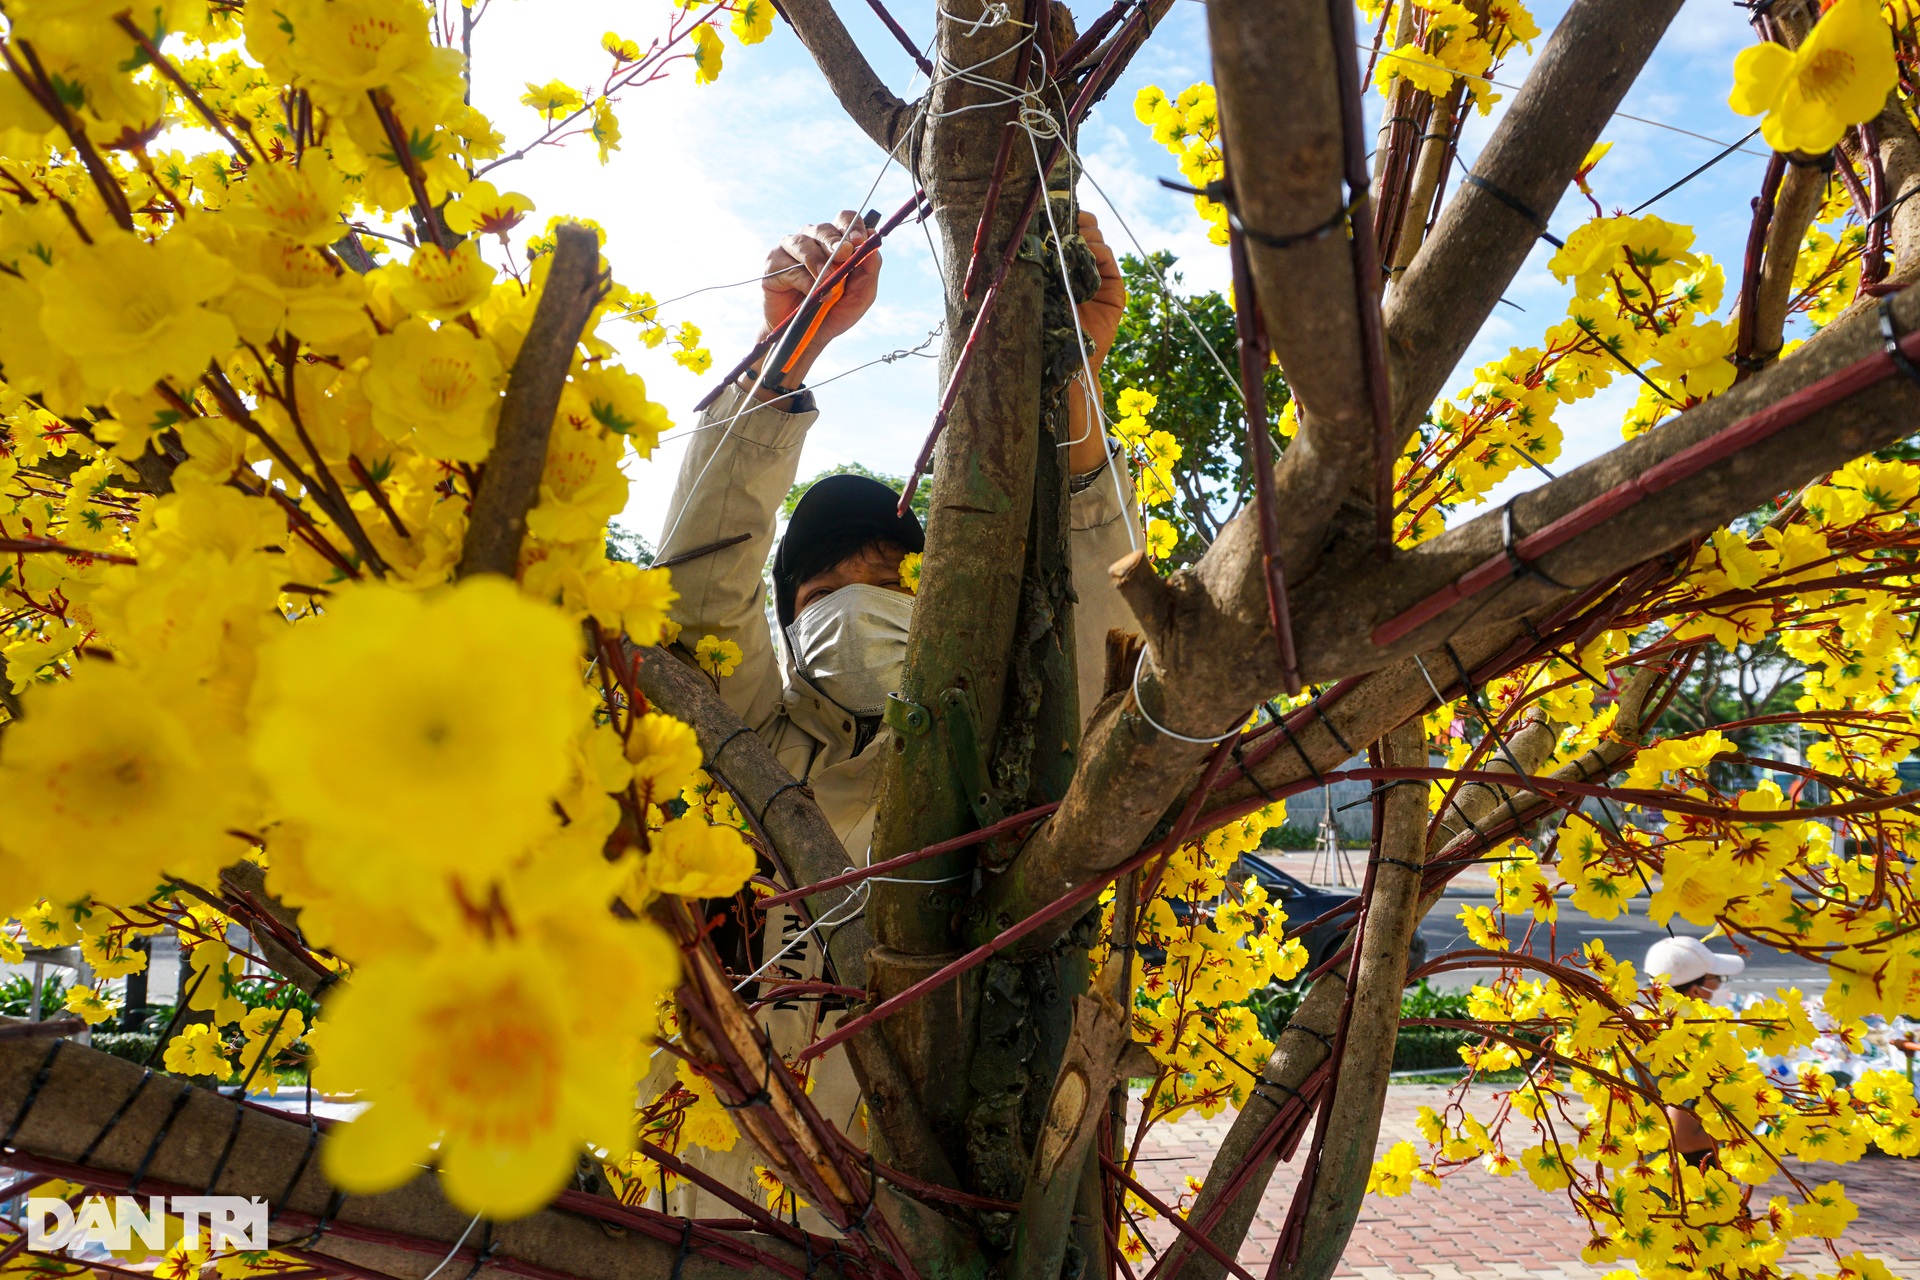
(833, 520)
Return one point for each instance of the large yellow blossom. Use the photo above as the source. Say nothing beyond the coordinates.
(436, 727)
(500, 1053)
(441, 286)
(107, 786)
(1839, 76)
(438, 387)
(130, 313)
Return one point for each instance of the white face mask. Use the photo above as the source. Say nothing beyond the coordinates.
(852, 644)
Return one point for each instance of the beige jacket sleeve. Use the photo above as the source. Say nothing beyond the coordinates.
(1105, 522)
(736, 473)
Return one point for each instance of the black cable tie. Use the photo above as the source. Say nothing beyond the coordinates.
(1327, 720)
(1383, 787)
(488, 1247)
(759, 1098)
(1319, 232)
(33, 1091)
(1321, 1036)
(307, 1241)
(114, 1120)
(1289, 1090)
(166, 1127)
(299, 1170)
(1522, 568)
(1757, 362)
(1218, 192)
(686, 1244)
(233, 1132)
(782, 790)
(1299, 750)
(873, 1184)
(725, 742)
(1890, 342)
(1247, 773)
(1518, 205)
(1398, 862)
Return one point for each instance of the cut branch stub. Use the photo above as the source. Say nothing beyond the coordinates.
(511, 483)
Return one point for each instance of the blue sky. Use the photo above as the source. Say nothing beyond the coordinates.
(710, 176)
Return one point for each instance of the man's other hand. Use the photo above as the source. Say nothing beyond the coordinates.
(801, 258)
(1100, 314)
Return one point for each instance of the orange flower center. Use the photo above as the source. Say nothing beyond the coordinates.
(1825, 74)
(444, 383)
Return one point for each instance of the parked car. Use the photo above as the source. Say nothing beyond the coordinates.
(1302, 902)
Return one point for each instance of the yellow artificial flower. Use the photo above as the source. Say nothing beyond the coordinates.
(716, 657)
(617, 398)
(436, 388)
(130, 313)
(1839, 76)
(198, 1050)
(483, 210)
(622, 50)
(108, 785)
(910, 571)
(695, 859)
(706, 55)
(492, 1059)
(554, 98)
(92, 1006)
(301, 202)
(441, 286)
(435, 726)
(604, 128)
(1162, 537)
(665, 755)
(752, 20)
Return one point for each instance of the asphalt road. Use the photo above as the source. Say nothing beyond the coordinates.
(1627, 937)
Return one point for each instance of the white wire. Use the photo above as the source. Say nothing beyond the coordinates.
(1148, 715)
(1079, 334)
(456, 1245)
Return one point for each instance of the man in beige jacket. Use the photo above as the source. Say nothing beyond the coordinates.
(816, 697)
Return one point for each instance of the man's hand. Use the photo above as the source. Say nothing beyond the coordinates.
(1100, 321)
(1100, 314)
(793, 266)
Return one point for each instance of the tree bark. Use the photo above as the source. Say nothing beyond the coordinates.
(510, 485)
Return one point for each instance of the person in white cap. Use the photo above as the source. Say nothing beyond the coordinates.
(1691, 969)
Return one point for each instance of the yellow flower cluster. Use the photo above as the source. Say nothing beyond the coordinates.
(1451, 40)
(1219, 944)
(1640, 301)
(1188, 126)
(241, 456)
(1153, 454)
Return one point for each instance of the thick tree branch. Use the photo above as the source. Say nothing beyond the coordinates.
(1351, 1125)
(1273, 67)
(511, 483)
(866, 98)
(405, 1233)
(1335, 636)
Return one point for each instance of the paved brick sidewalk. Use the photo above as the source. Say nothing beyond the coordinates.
(1504, 1228)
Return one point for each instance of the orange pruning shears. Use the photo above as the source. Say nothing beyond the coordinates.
(806, 322)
